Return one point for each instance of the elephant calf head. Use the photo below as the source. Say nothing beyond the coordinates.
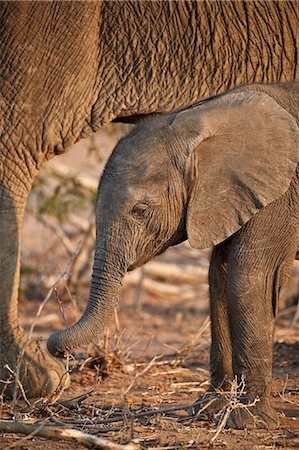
(142, 195)
(200, 174)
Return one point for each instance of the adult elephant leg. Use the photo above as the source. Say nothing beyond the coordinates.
(38, 373)
(221, 351)
(260, 258)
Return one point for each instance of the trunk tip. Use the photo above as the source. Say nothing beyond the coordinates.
(55, 346)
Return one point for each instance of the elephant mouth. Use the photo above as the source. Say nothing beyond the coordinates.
(160, 246)
(146, 258)
(161, 249)
(137, 264)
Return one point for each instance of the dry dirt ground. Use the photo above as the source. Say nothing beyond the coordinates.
(153, 358)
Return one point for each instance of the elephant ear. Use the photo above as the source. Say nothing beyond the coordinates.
(243, 152)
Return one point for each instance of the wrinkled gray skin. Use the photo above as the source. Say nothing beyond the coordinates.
(67, 68)
(221, 173)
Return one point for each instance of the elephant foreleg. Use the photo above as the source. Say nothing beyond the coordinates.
(21, 362)
(221, 349)
(221, 368)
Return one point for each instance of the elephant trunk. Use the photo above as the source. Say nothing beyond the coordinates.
(106, 283)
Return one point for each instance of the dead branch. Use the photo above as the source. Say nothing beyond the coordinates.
(186, 274)
(81, 259)
(282, 394)
(63, 172)
(167, 290)
(146, 369)
(162, 279)
(172, 273)
(51, 290)
(56, 228)
(289, 310)
(73, 403)
(160, 289)
(66, 434)
(233, 402)
(144, 414)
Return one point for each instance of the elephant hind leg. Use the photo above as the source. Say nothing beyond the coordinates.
(260, 258)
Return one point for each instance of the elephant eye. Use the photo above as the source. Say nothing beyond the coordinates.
(139, 210)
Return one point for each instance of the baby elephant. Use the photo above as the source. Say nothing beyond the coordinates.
(220, 173)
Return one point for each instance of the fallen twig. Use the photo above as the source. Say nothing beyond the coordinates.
(146, 369)
(73, 403)
(68, 434)
(282, 394)
(143, 414)
(233, 399)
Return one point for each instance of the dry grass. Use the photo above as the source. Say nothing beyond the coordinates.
(122, 397)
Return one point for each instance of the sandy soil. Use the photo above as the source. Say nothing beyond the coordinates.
(155, 356)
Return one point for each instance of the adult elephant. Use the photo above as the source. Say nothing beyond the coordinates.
(67, 68)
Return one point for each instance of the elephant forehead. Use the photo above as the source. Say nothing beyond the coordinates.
(136, 173)
(148, 172)
(131, 184)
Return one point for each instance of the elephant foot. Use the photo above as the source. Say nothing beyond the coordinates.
(209, 406)
(25, 367)
(256, 414)
(240, 413)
